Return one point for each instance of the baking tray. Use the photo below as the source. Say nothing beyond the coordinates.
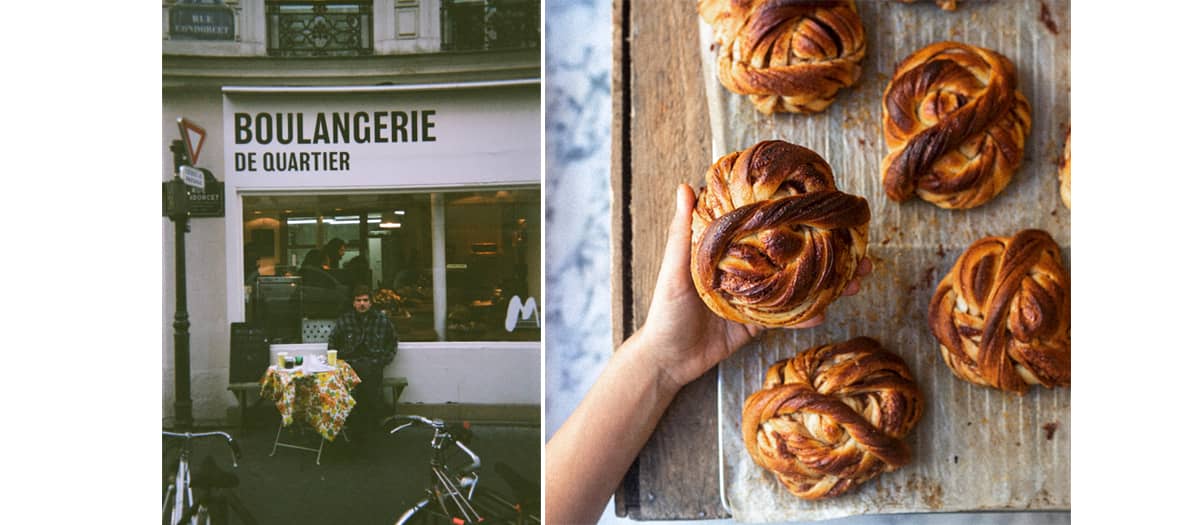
(975, 448)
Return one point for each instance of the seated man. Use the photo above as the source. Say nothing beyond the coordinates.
(367, 340)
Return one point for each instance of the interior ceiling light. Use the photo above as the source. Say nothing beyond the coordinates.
(399, 212)
(388, 225)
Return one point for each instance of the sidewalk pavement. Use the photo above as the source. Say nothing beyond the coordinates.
(355, 483)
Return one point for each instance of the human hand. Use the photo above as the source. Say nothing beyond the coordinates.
(681, 335)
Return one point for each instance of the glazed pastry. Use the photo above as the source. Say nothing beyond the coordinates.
(788, 56)
(945, 5)
(1063, 172)
(832, 417)
(1001, 316)
(773, 241)
(954, 125)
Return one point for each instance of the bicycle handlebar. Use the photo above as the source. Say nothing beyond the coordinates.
(438, 425)
(233, 445)
(433, 423)
(474, 458)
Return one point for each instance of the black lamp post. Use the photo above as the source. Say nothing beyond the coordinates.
(177, 209)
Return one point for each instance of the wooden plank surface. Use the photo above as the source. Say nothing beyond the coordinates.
(661, 138)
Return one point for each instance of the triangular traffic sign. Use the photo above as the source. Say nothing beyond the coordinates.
(192, 134)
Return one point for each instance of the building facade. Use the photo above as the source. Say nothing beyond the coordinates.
(394, 143)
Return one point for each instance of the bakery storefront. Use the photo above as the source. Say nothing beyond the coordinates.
(429, 194)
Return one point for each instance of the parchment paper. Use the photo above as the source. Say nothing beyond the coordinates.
(975, 448)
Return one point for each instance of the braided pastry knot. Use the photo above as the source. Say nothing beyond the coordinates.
(832, 417)
(773, 241)
(787, 55)
(1001, 315)
(954, 124)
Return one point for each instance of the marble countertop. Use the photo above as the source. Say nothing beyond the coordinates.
(577, 235)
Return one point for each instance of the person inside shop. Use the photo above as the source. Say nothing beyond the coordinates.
(681, 340)
(367, 341)
(357, 271)
(324, 296)
(334, 253)
(312, 270)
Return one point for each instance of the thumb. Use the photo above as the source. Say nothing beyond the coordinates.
(674, 272)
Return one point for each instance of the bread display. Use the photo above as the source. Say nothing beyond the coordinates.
(1063, 171)
(1001, 316)
(788, 56)
(832, 417)
(773, 241)
(954, 125)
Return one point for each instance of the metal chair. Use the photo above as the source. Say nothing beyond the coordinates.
(317, 330)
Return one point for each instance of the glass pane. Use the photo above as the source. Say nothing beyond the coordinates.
(295, 269)
(301, 231)
(493, 265)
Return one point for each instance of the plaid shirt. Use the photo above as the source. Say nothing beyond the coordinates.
(368, 336)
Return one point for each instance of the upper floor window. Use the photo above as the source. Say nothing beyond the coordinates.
(476, 25)
(310, 28)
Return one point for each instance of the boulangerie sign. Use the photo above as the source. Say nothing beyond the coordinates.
(339, 138)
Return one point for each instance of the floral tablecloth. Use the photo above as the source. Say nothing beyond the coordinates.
(321, 399)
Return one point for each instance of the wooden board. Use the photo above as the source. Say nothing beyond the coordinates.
(661, 137)
(975, 448)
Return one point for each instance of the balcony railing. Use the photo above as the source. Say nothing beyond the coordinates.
(491, 25)
(319, 29)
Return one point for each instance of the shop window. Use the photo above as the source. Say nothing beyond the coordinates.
(486, 279)
(493, 255)
(480, 25)
(319, 29)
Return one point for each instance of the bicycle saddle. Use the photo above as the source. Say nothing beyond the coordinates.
(211, 476)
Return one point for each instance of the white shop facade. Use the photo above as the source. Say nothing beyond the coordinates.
(428, 194)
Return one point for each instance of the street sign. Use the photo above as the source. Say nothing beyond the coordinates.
(192, 176)
(201, 22)
(192, 134)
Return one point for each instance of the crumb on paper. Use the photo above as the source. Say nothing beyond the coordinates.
(929, 491)
(1047, 19)
(1050, 429)
(928, 276)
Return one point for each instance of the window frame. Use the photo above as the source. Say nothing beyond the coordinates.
(437, 196)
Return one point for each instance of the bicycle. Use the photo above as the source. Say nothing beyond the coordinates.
(451, 496)
(180, 505)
